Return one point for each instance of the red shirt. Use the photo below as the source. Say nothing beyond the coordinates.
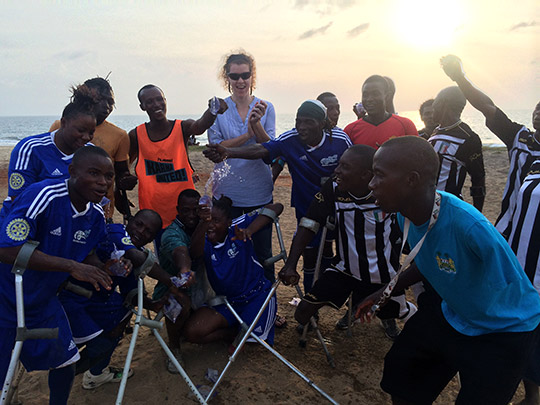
(364, 133)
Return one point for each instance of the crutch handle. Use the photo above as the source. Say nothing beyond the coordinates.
(77, 289)
(37, 333)
(274, 259)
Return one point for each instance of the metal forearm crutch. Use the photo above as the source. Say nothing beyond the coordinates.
(312, 321)
(154, 325)
(248, 331)
(19, 267)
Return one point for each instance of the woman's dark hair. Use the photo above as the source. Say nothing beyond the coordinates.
(239, 57)
(224, 204)
(83, 101)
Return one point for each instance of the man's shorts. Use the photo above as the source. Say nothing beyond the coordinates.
(429, 352)
(41, 354)
(248, 311)
(334, 287)
(88, 318)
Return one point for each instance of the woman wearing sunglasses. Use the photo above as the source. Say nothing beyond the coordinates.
(247, 121)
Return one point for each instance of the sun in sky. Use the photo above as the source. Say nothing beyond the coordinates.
(428, 24)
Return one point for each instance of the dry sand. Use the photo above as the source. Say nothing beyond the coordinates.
(257, 376)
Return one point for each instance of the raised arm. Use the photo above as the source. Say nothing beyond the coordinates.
(258, 223)
(197, 127)
(453, 68)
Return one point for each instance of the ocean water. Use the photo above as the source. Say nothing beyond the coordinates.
(13, 129)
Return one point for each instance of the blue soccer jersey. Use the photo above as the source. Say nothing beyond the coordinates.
(232, 266)
(35, 158)
(44, 213)
(309, 166)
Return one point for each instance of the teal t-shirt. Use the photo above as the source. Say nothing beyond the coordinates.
(471, 266)
(174, 236)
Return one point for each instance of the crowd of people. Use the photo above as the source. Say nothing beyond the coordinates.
(381, 188)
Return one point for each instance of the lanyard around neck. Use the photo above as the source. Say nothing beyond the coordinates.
(410, 257)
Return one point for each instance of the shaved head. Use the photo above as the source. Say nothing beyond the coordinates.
(413, 153)
(453, 98)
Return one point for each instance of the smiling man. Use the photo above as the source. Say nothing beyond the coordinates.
(66, 220)
(367, 241)
(160, 145)
(312, 153)
(378, 125)
(487, 321)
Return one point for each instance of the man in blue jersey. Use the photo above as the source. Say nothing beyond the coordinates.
(487, 321)
(98, 322)
(311, 153)
(63, 216)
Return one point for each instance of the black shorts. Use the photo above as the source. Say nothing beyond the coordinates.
(429, 352)
(334, 287)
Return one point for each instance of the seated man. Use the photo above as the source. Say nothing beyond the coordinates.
(66, 220)
(175, 259)
(98, 323)
(233, 271)
(367, 241)
(488, 317)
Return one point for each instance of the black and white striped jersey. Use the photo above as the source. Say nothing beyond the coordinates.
(460, 152)
(523, 150)
(368, 239)
(525, 232)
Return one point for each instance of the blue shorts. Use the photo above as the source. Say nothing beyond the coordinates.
(89, 317)
(248, 311)
(41, 354)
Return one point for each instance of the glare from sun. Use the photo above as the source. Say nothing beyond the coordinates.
(428, 23)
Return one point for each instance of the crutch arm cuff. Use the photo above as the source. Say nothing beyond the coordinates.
(23, 257)
(267, 212)
(145, 268)
(310, 224)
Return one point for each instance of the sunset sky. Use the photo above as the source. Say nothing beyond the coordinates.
(301, 48)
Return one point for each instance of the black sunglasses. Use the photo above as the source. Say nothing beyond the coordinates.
(236, 76)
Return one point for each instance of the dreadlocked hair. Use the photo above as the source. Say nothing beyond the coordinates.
(83, 101)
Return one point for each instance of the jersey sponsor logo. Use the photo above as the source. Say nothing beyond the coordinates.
(329, 160)
(232, 252)
(16, 181)
(57, 231)
(164, 171)
(445, 263)
(176, 176)
(81, 236)
(18, 229)
(153, 168)
(126, 240)
(56, 172)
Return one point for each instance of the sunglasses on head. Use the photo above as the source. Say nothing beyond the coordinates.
(236, 76)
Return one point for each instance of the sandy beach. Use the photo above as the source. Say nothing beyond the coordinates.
(257, 376)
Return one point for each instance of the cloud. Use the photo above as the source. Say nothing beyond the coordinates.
(315, 31)
(324, 7)
(523, 25)
(358, 30)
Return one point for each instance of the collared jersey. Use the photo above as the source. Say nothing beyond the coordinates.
(525, 232)
(365, 133)
(34, 159)
(470, 265)
(523, 150)
(44, 213)
(232, 266)
(368, 239)
(460, 152)
(310, 167)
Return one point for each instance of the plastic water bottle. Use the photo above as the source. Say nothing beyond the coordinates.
(118, 268)
(206, 201)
